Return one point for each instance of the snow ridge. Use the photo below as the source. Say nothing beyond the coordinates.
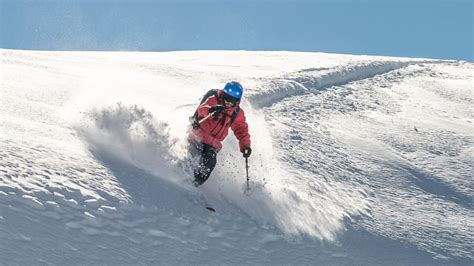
(317, 79)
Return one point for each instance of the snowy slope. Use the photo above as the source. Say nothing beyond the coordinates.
(357, 160)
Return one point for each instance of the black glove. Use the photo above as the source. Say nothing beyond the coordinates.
(194, 122)
(247, 151)
(216, 110)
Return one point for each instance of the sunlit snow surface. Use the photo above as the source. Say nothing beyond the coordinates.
(356, 160)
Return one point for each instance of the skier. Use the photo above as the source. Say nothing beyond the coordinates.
(219, 110)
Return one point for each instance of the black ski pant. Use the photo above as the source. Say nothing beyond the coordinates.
(204, 158)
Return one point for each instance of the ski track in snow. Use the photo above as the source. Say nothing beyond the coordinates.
(352, 155)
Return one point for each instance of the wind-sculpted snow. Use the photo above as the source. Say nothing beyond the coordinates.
(356, 160)
(391, 136)
(276, 88)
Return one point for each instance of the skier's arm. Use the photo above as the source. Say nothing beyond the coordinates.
(210, 106)
(203, 109)
(241, 130)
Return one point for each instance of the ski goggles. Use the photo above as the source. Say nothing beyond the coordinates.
(230, 99)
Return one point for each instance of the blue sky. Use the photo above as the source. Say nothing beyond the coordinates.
(418, 28)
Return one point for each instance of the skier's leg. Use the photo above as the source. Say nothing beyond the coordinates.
(206, 164)
(209, 159)
(195, 149)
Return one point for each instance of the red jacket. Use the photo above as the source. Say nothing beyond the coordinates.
(213, 132)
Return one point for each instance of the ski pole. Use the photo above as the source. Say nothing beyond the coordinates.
(247, 170)
(205, 118)
(193, 120)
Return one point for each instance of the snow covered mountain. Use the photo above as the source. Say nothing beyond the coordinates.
(356, 160)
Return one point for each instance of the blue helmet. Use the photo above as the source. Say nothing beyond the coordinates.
(234, 89)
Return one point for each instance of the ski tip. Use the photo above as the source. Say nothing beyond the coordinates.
(211, 209)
